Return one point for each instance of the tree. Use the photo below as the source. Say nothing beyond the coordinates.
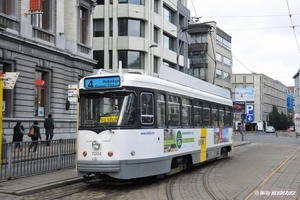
(279, 121)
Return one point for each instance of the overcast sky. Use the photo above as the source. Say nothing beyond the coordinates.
(262, 38)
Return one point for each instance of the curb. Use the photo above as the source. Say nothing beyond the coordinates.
(47, 186)
(241, 144)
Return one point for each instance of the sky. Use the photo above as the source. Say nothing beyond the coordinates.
(263, 39)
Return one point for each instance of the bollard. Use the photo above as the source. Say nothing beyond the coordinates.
(276, 133)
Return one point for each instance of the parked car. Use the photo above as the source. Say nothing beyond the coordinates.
(270, 129)
(292, 128)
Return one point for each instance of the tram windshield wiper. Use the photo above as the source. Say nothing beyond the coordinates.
(97, 123)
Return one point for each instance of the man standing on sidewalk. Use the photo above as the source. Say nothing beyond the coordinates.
(49, 126)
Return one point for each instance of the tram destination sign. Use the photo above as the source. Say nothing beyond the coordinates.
(102, 82)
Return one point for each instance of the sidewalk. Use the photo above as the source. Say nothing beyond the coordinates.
(36, 183)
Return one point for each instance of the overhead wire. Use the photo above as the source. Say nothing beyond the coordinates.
(290, 15)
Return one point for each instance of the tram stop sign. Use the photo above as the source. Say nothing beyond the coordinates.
(10, 79)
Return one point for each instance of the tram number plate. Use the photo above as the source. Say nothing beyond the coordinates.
(96, 153)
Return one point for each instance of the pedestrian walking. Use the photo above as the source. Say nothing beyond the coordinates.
(256, 128)
(18, 136)
(35, 137)
(49, 126)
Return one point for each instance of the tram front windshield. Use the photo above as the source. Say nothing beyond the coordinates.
(107, 109)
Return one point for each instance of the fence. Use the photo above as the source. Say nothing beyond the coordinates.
(21, 162)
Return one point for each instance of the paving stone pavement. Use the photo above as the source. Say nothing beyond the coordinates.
(15, 188)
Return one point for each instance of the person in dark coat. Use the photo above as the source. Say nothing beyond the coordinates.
(36, 137)
(18, 136)
(49, 126)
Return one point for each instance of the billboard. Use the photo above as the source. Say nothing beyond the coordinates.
(238, 107)
(244, 94)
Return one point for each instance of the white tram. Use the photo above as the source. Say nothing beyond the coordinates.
(134, 126)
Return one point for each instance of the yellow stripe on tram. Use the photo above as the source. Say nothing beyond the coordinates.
(203, 145)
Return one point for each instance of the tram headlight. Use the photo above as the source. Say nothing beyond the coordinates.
(96, 145)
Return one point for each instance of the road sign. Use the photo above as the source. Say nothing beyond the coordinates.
(249, 113)
(72, 93)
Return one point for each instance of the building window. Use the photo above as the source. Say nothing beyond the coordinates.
(223, 42)
(155, 35)
(218, 74)
(43, 20)
(132, 59)
(83, 20)
(199, 38)
(200, 73)
(138, 2)
(98, 27)
(131, 27)
(111, 27)
(227, 61)
(168, 42)
(219, 57)
(100, 2)
(227, 77)
(155, 6)
(99, 56)
(197, 57)
(168, 14)
(110, 59)
(40, 93)
(7, 6)
(155, 64)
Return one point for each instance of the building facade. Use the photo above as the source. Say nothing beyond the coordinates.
(210, 54)
(261, 93)
(49, 42)
(142, 34)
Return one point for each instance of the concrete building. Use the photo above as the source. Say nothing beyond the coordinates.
(296, 78)
(142, 34)
(49, 43)
(261, 93)
(210, 54)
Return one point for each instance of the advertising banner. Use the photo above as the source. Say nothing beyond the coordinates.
(238, 107)
(244, 94)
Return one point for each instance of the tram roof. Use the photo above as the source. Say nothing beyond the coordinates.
(145, 81)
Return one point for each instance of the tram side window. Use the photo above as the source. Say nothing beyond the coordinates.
(161, 110)
(221, 116)
(174, 111)
(198, 113)
(228, 116)
(186, 112)
(206, 115)
(147, 108)
(215, 115)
